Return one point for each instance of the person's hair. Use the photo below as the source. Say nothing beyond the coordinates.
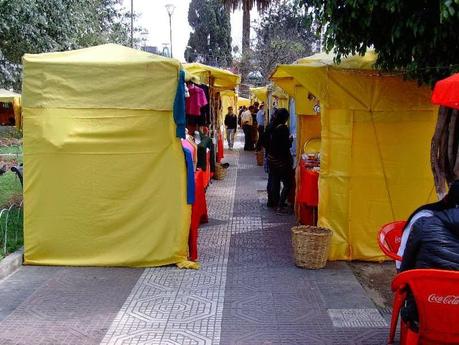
(244, 107)
(230, 108)
(251, 108)
(451, 199)
(256, 104)
(262, 105)
(281, 115)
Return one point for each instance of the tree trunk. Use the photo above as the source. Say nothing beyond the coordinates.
(245, 27)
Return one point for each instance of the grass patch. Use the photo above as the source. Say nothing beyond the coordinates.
(10, 187)
(15, 233)
(16, 150)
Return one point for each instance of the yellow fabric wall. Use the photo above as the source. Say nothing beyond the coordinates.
(374, 162)
(105, 179)
(375, 149)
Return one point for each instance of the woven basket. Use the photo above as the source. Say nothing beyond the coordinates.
(311, 245)
(260, 157)
(220, 172)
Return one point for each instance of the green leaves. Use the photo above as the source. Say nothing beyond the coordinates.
(210, 40)
(36, 26)
(418, 37)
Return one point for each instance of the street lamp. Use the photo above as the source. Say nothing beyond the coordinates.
(132, 23)
(170, 11)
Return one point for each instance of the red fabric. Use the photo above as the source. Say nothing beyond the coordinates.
(389, 238)
(308, 192)
(308, 215)
(198, 214)
(436, 293)
(220, 154)
(446, 92)
(196, 100)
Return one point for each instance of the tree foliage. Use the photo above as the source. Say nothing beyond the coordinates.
(416, 37)
(36, 26)
(283, 35)
(210, 40)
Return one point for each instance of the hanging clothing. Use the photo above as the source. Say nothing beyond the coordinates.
(196, 100)
(188, 145)
(179, 107)
(190, 182)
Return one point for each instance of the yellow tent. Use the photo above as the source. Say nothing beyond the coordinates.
(217, 77)
(375, 135)
(241, 101)
(259, 94)
(105, 179)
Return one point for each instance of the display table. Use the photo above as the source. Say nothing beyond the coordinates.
(308, 194)
(198, 214)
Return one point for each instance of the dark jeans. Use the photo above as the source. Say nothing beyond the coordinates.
(248, 145)
(276, 197)
(261, 130)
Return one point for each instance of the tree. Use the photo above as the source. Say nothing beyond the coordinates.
(417, 37)
(210, 40)
(283, 35)
(33, 26)
(247, 6)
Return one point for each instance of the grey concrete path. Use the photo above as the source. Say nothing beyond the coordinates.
(248, 290)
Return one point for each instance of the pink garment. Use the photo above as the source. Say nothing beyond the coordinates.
(186, 144)
(196, 100)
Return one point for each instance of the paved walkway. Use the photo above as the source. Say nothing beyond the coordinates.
(247, 292)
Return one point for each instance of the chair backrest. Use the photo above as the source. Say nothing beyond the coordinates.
(436, 293)
(389, 237)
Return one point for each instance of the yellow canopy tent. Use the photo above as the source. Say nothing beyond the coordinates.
(241, 101)
(375, 140)
(259, 94)
(213, 76)
(105, 179)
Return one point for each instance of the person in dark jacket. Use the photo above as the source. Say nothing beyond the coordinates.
(231, 126)
(433, 243)
(428, 210)
(280, 160)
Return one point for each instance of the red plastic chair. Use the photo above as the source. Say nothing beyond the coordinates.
(389, 237)
(436, 293)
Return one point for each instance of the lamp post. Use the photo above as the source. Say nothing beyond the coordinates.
(132, 23)
(170, 11)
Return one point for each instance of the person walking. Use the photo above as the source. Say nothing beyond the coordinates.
(231, 126)
(280, 160)
(261, 125)
(247, 121)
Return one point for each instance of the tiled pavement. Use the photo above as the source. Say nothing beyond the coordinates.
(247, 292)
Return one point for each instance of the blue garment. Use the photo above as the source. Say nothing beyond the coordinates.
(261, 117)
(190, 186)
(179, 107)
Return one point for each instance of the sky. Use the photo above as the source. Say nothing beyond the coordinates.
(154, 18)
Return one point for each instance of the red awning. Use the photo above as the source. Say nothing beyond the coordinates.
(446, 92)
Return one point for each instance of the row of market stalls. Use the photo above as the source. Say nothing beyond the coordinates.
(363, 138)
(110, 172)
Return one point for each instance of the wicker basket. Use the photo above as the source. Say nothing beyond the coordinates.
(310, 246)
(260, 157)
(220, 172)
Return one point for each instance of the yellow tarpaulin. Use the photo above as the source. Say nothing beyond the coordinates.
(375, 144)
(259, 94)
(222, 79)
(241, 101)
(105, 179)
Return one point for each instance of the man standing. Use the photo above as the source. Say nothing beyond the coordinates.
(231, 126)
(261, 125)
(247, 121)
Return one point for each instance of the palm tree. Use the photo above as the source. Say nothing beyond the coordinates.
(247, 5)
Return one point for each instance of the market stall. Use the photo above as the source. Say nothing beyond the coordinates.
(374, 134)
(241, 102)
(105, 182)
(10, 109)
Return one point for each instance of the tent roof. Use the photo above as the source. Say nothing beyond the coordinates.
(8, 96)
(102, 54)
(352, 83)
(260, 93)
(222, 79)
